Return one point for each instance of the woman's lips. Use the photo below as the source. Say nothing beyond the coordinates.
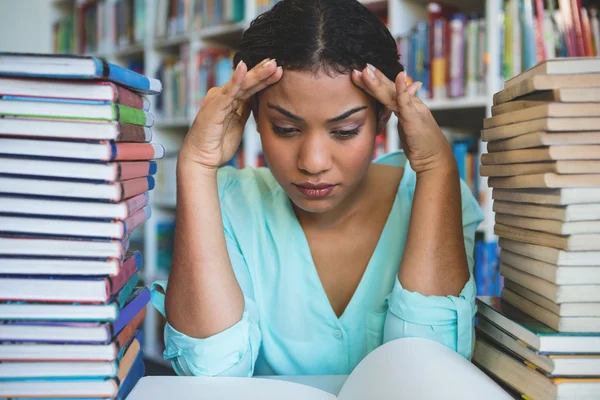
(311, 190)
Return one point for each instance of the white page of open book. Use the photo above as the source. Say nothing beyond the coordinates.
(223, 388)
(414, 368)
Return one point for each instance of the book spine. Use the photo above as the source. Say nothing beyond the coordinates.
(136, 220)
(128, 98)
(128, 268)
(136, 203)
(133, 133)
(134, 169)
(133, 187)
(136, 151)
(126, 321)
(131, 115)
(126, 291)
(131, 79)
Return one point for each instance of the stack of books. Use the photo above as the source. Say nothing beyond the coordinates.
(542, 336)
(75, 170)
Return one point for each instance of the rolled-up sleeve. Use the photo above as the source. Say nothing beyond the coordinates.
(232, 352)
(448, 320)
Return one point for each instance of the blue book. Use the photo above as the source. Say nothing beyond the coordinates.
(75, 67)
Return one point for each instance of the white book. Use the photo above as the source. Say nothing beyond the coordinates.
(408, 368)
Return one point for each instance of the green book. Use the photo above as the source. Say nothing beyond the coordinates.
(14, 106)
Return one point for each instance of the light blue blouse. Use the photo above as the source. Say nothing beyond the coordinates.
(288, 326)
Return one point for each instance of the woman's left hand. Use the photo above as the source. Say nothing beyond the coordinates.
(422, 139)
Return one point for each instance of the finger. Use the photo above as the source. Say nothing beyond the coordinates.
(230, 89)
(379, 86)
(262, 75)
(260, 85)
(244, 110)
(414, 87)
(405, 105)
(356, 77)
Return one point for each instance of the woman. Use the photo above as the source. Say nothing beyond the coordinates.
(305, 267)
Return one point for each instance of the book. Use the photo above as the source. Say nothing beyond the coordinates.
(27, 351)
(64, 370)
(549, 225)
(529, 168)
(67, 289)
(572, 212)
(81, 227)
(539, 139)
(562, 310)
(573, 124)
(558, 66)
(68, 332)
(109, 311)
(18, 245)
(423, 368)
(529, 381)
(545, 82)
(572, 293)
(562, 196)
(130, 370)
(549, 110)
(581, 242)
(35, 108)
(74, 67)
(70, 208)
(75, 266)
(74, 129)
(549, 153)
(561, 95)
(89, 170)
(551, 255)
(571, 275)
(540, 337)
(551, 364)
(577, 324)
(114, 192)
(97, 150)
(97, 91)
(547, 180)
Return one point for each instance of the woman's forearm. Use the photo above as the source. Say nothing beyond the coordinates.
(203, 296)
(434, 261)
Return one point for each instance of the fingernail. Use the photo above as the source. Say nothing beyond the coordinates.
(370, 71)
(268, 63)
(419, 84)
(238, 64)
(358, 72)
(370, 67)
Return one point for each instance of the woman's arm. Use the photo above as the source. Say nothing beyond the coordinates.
(203, 296)
(434, 261)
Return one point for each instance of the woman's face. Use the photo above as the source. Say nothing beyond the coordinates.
(318, 134)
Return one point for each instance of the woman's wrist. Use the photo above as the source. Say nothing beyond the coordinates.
(188, 166)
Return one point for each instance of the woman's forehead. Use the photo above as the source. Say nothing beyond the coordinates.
(304, 92)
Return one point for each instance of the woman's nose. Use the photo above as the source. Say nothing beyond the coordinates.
(314, 156)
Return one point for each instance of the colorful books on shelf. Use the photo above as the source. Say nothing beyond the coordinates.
(108, 25)
(541, 335)
(448, 50)
(73, 194)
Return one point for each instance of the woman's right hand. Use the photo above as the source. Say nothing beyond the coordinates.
(217, 130)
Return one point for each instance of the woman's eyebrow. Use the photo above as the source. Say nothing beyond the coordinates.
(334, 119)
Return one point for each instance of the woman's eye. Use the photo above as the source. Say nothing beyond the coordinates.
(346, 134)
(286, 132)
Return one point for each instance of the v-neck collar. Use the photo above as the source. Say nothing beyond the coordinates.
(301, 242)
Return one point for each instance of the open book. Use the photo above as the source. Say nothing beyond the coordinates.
(410, 368)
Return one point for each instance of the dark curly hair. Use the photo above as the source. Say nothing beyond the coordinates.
(329, 36)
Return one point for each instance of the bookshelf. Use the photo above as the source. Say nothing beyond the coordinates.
(150, 50)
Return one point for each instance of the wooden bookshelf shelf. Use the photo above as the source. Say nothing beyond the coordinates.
(170, 42)
(457, 103)
(133, 50)
(175, 123)
(228, 34)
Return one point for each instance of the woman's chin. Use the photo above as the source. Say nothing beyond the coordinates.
(317, 206)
